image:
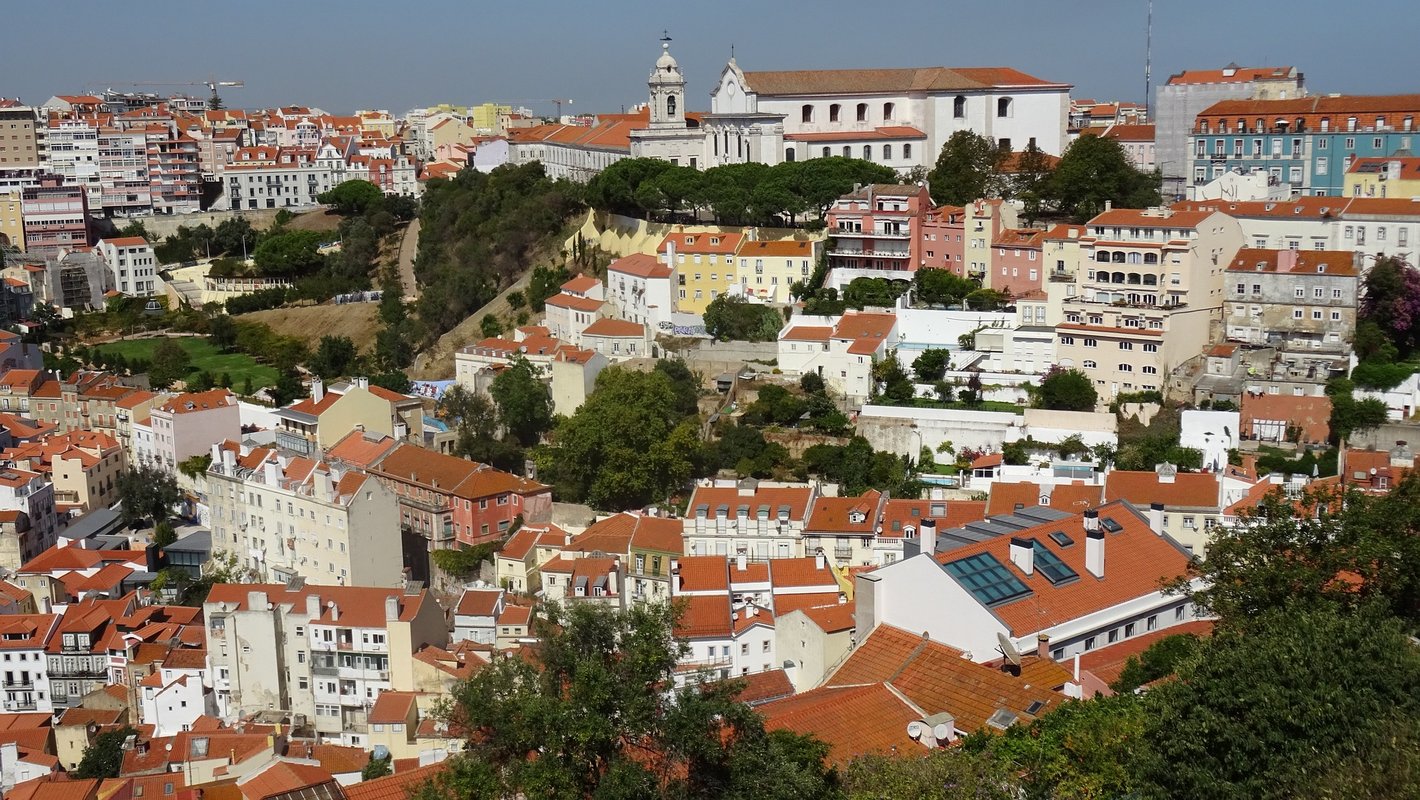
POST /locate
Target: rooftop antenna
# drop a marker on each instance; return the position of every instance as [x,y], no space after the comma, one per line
[1148,63]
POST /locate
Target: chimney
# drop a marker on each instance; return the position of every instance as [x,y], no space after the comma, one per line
[1091,521]
[271,473]
[1286,260]
[927,536]
[1023,555]
[256,601]
[313,606]
[363,383]
[613,578]
[741,562]
[1042,646]
[317,390]
[670,253]
[1094,552]
[229,461]
[217,453]
[1109,205]
[334,611]
[1156,518]
[820,561]
[391,608]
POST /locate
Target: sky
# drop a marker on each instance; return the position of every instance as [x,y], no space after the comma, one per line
[396,56]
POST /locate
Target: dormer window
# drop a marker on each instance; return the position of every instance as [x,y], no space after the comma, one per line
[856,517]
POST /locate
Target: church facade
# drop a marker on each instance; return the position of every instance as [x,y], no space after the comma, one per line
[899,118]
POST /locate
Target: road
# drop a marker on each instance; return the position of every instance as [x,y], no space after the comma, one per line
[408,247]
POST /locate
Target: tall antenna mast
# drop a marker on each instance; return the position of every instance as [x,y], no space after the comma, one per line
[1148,63]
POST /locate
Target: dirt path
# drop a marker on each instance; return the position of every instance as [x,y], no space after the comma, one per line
[437,362]
[408,247]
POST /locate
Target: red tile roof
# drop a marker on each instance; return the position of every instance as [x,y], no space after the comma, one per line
[640,265]
[397,786]
[761,687]
[393,707]
[703,243]
[1106,663]
[606,326]
[1311,262]
[1187,490]
[890,133]
[282,777]
[851,720]
[1229,75]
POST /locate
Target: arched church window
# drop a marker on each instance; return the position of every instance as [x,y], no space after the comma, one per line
[670,106]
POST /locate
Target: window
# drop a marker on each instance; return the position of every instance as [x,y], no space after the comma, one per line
[1321,163]
[833,111]
[1128,630]
[1149,370]
[1296,313]
[1178,614]
[1152,623]
[862,112]
[1067,340]
[1090,364]
[1350,143]
[907,151]
[887,152]
[1003,107]
[1126,345]
[867,152]
[959,107]
[1091,343]
[806,114]
[1126,367]
[1113,636]
[1089,644]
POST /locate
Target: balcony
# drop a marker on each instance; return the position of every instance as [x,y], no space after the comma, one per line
[438,506]
[870,254]
[27,704]
[1062,276]
[27,683]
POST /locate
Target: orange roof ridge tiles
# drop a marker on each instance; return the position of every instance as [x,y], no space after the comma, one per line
[1329,262]
[606,326]
[641,265]
[911,79]
[1230,74]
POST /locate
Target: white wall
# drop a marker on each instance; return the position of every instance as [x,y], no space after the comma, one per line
[904,431]
[918,596]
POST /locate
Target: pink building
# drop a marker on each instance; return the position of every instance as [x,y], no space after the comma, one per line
[942,246]
[189,424]
[1017,267]
[877,231]
[56,216]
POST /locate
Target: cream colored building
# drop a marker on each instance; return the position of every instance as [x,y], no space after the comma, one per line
[983,221]
[1150,294]
[12,223]
[84,467]
[317,422]
[286,518]
[325,652]
[484,117]
[814,640]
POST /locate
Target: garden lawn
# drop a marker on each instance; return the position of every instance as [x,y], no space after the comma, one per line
[204,357]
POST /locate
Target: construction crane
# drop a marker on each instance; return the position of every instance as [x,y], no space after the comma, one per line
[210,83]
[558,101]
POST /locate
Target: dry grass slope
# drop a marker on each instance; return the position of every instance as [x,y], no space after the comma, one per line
[359,321]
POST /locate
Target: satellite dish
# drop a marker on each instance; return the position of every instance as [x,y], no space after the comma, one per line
[943,732]
[915,729]
[1013,656]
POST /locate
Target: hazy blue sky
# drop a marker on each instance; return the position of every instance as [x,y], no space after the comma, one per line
[347,55]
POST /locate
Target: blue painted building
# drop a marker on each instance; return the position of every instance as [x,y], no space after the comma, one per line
[1306,144]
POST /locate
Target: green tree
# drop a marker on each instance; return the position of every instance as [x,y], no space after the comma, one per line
[965,169]
[1349,415]
[931,365]
[247,388]
[377,767]
[1095,169]
[1275,707]
[1066,390]
[147,492]
[966,772]
[627,446]
[490,326]
[1030,182]
[170,362]
[352,197]
[941,287]
[201,382]
[524,405]
[195,466]
[222,332]
[733,318]
[394,380]
[103,758]
[475,422]
[1159,660]
[164,534]
[334,356]
[685,382]
[289,253]
[893,385]
[1080,749]
[589,716]
[811,382]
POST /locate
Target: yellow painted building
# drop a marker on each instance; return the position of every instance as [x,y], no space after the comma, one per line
[704,266]
[12,225]
[484,118]
[1384,177]
[766,269]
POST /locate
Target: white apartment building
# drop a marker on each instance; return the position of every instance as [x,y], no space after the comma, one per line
[841,350]
[132,264]
[760,519]
[1150,291]
[172,698]
[638,289]
[271,177]
[291,518]
[71,148]
[325,652]
[571,310]
[31,494]
[22,642]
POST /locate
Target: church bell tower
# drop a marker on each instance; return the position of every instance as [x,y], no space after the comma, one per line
[667,86]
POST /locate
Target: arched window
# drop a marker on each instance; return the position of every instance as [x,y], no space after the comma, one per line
[1116,277]
[888,110]
[1118,257]
[806,114]
[1151,258]
[1102,256]
[1003,107]
[847,151]
[1090,365]
[788,154]
[827,152]
[1134,279]
[670,106]
[867,152]
[833,112]
[1135,258]
[862,112]
[959,107]
[907,151]
[887,152]
[1151,280]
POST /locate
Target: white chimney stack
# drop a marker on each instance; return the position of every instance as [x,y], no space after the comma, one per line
[927,536]
[741,562]
[1023,555]
[1156,518]
[820,561]
[1091,521]
[317,390]
[1094,552]
[391,608]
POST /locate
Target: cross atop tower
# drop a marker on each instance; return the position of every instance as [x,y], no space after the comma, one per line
[666,36]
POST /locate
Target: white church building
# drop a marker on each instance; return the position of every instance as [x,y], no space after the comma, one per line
[899,118]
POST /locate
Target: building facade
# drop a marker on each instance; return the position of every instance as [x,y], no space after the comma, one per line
[1294,300]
